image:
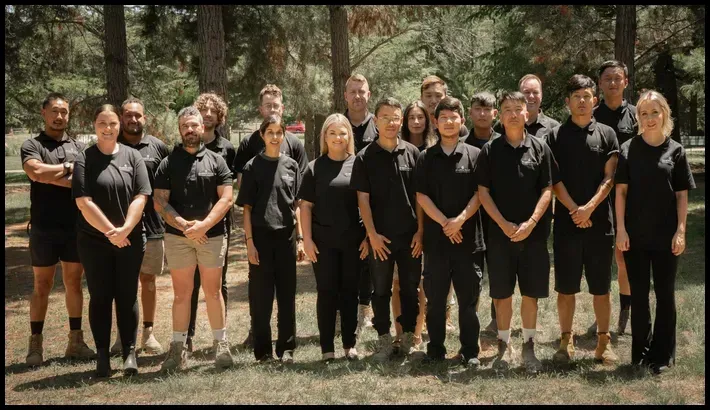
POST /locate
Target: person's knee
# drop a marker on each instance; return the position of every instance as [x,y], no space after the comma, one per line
[147,282]
[43,286]
[183,293]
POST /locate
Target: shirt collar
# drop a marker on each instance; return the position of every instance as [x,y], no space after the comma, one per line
[401,146]
[364,123]
[527,141]
[45,137]
[437,149]
[143,140]
[200,151]
[589,128]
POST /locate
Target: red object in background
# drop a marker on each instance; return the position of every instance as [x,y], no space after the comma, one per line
[297,126]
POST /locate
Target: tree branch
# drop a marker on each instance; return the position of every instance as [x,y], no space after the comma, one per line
[361,59]
[648,50]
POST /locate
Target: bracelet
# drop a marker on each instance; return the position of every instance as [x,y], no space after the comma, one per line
[534,220]
[248,238]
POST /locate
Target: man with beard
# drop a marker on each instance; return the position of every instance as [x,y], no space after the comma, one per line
[48,161]
[193,193]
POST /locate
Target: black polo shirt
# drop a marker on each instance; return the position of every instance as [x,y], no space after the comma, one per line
[653,175]
[192,181]
[270,187]
[335,215]
[254,144]
[364,133]
[542,125]
[516,178]
[223,147]
[448,180]
[112,181]
[622,120]
[389,179]
[51,207]
[580,155]
[152,151]
[472,139]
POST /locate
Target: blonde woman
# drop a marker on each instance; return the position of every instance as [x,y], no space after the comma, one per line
[652,182]
[332,235]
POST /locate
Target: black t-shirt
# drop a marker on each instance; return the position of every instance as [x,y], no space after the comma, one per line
[254,144]
[622,120]
[364,133]
[152,151]
[192,181]
[653,175]
[471,139]
[516,178]
[51,207]
[580,155]
[112,181]
[389,179]
[335,217]
[223,147]
[270,187]
[542,125]
[448,180]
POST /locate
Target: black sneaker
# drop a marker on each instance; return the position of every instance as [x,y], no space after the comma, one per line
[188,343]
[249,341]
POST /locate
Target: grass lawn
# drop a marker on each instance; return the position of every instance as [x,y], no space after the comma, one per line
[13,163]
[309,381]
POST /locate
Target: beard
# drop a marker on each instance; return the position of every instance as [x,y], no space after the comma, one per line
[191,140]
[134,129]
[58,127]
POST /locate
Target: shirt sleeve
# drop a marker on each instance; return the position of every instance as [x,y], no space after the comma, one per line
[420,174]
[80,146]
[481,169]
[163,149]
[141,182]
[549,139]
[307,191]
[30,150]
[611,142]
[79,187]
[547,163]
[359,180]
[682,175]
[621,176]
[242,155]
[297,184]
[162,177]
[231,154]
[248,190]
[299,153]
[224,174]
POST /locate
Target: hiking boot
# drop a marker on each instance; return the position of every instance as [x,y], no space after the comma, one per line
[407,346]
[530,362]
[188,345]
[150,345]
[249,341]
[566,351]
[603,352]
[328,357]
[623,320]
[397,344]
[222,356]
[103,363]
[77,348]
[507,356]
[364,318]
[450,327]
[287,357]
[337,323]
[384,348]
[130,366]
[117,346]
[492,327]
[351,354]
[176,359]
[592,329]
[35,351]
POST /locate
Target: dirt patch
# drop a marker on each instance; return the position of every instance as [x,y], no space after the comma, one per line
[15,189]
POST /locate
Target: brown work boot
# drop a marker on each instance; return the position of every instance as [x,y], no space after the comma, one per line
[77,348]
[566,351]
[603,352]
[35,351]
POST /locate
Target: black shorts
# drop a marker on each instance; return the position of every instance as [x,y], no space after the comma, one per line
[49,247]
[589,250]
[527,261]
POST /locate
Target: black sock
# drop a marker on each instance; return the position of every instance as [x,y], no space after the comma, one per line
[36,327]
[147,324]
[625,301]
[75,323]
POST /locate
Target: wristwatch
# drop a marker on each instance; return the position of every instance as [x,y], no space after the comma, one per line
[67,168]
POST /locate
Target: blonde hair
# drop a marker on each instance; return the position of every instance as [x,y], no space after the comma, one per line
[527,77]
[335,119]
[653,95]
[358,78]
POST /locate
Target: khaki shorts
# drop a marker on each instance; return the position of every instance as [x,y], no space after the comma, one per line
[182,252]
[154,257]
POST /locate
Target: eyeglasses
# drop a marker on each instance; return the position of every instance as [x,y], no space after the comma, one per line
[388,119]
[271,106]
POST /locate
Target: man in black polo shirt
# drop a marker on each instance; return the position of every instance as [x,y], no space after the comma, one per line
[383,175]
[483,111]
[515,187]
[453,236]
[617,113]
[357,94]
[193,192]
[214,116]
[538,124]
[586,153]
[48,162]
[270,103]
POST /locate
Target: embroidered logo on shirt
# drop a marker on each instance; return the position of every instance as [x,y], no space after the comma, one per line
[288,178]
[405,168]
[667,161]
[347,174]
[528,162]
[125,168]
[596,148]
[463,170]
[206,173]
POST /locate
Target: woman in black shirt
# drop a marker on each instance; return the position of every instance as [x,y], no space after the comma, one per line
[652,182]
[333,237]
[274,242]
[110,185]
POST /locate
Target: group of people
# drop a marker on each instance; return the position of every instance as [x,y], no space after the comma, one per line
[403,196]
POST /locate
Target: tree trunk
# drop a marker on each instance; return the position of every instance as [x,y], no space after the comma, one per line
[311,137]
[625,45]
[319,119]
[340,54]
[116,54]
[210,40]
[666,84]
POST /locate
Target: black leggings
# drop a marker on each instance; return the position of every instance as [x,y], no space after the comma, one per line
[365,289]
[656,345]
[337,272]
[112,273]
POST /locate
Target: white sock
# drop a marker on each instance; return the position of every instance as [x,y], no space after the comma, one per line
[180,337]
[528,334]
[504,335]
[220,334]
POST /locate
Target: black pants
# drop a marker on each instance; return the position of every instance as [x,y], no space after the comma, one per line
[197,284]
[465,270]
[484,262]
[365,289]
[112,273]
[409,270]
[276,271]
[657,345]
[336,281]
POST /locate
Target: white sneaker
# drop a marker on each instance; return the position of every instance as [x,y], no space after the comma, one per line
[149,344]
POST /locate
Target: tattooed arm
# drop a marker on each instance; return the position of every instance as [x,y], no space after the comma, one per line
[170,216]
